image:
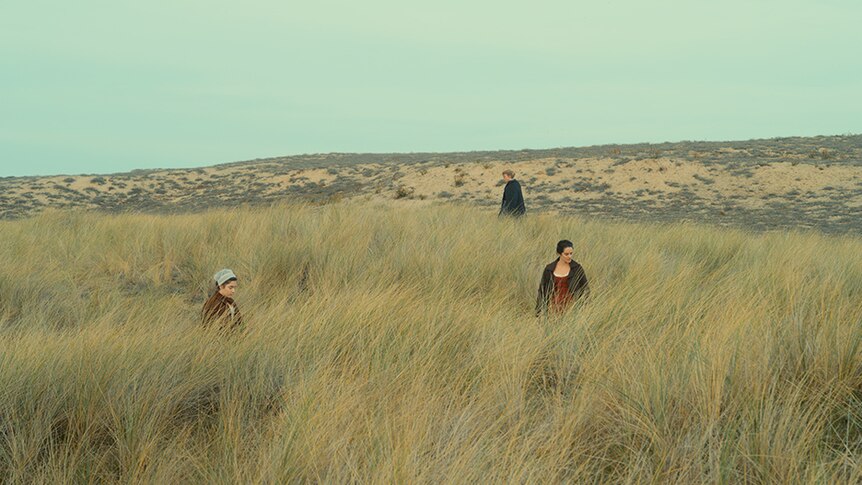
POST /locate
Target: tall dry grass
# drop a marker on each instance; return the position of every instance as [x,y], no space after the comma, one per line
[409,351]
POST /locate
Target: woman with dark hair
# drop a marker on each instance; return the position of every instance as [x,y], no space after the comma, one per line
[563,281]
[220,308]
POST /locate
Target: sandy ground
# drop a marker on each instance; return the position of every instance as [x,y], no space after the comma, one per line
[722,178]
[556,178]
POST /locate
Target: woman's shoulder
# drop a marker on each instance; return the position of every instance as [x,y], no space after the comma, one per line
[214,300]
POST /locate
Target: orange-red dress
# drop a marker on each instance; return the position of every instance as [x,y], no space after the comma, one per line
[562,298]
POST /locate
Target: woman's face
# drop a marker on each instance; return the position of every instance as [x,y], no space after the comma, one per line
[566,255]
[228,289]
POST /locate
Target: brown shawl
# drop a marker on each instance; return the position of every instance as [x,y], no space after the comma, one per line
[222,311]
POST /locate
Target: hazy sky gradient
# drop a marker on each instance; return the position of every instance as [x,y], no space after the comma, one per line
[107,86]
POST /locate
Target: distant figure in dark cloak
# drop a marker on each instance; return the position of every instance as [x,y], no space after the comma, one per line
[513,199]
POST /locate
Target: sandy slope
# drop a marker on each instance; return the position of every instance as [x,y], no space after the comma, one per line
[762,184]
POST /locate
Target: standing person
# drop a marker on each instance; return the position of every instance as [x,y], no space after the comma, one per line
[220,309]
[513,199]
[563,281]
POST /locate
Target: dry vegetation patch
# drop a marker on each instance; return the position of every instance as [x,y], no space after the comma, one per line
[397,343]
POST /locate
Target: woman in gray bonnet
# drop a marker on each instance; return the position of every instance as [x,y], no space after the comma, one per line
[220,309]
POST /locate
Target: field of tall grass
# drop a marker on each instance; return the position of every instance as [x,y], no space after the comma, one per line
[396,345]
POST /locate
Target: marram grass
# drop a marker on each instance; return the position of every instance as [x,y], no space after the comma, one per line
[394,345]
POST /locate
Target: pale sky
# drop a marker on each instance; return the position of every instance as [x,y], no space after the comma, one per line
[109,86]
